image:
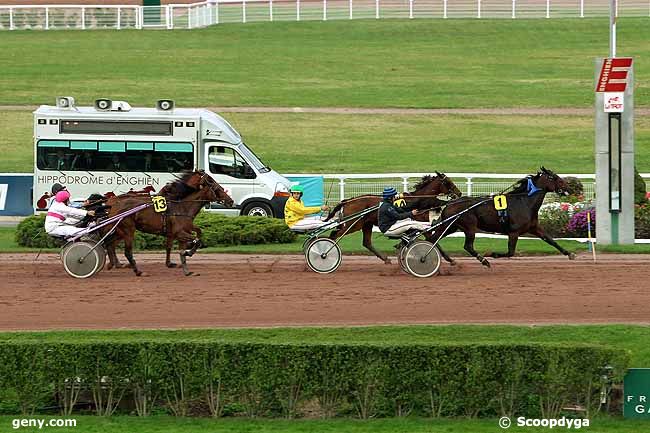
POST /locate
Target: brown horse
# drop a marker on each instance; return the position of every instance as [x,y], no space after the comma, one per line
[425,197]
[518,214]
[176,223]
[184,185]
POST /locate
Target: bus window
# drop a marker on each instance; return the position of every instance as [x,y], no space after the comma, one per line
[114,156]
[224,160]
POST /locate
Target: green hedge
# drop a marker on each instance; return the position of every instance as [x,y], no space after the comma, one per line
[293,380]
[218,230]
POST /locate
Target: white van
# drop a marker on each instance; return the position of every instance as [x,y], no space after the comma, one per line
[112,147]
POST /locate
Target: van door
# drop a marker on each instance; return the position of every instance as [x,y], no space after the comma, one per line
[231,171]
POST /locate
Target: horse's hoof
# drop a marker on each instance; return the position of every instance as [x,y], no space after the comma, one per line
[485,263]
[109,266]
[453,262]
[572,256]
[171,265]
[387,261]
[122,266]
[138,273]
[187,274]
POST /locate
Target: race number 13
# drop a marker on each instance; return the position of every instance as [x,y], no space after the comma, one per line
[159,203]
[500,202]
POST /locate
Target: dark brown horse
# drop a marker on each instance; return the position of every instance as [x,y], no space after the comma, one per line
[178,189]
[424,197]
[518,214]
[176,223]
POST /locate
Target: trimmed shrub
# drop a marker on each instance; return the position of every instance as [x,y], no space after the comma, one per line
[640,196]
[218,230]
[280,380]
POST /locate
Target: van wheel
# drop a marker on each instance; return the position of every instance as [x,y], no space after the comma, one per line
[258,209]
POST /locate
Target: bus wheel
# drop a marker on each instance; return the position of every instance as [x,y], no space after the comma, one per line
[257,209]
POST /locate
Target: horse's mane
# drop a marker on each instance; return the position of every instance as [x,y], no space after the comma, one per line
[425,180]
[522,185]
[178,189]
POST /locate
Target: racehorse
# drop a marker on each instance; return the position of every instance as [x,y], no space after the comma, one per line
[518,214]
[176,223]
[184,185]
[425,197]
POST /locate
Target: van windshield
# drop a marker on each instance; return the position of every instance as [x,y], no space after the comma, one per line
[253,159]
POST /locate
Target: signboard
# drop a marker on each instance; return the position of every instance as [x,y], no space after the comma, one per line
[614,102]
[613,75]
[636,393]
[16,194]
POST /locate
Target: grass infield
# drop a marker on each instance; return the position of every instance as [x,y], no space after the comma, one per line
[366,63]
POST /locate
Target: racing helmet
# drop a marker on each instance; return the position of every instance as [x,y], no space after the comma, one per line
[62,196]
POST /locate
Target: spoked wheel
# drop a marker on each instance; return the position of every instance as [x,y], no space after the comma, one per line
[421,259]
[323,255]
[80,260]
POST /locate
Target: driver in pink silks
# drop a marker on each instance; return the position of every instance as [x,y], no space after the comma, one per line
[61,218]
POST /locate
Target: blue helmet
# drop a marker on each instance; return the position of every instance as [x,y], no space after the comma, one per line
[389,192]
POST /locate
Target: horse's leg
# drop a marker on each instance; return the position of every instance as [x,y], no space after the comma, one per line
[539,232]
[367,242]
[469,247]
[512,246]
[128,251]
[185,239]
[199,235]
[168,250]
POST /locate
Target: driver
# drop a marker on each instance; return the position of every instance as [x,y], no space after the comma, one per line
[295,211]
[394,221]
[61,218]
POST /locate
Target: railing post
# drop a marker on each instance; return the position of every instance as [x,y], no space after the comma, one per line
[197,17]
[47,18]
[444,9]
[350,7]
[582,8]
[324,10]
[341,189]
[216,12]
[411,9]
[469,187]
[377,9]
[11,18]
[478,9]
[83,18]
[119,18]
[270,10]
[548,8]
[243,11]
[514,5]
[405,183]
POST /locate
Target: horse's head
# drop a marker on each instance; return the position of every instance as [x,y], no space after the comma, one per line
[436,185]
[550,182]
[213,191]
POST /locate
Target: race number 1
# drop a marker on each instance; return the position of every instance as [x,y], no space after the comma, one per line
[159,203]
[500,202]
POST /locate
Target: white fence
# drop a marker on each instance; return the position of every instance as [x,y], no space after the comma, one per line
[212,12]
[340,186]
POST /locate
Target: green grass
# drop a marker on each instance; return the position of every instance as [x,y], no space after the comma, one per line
[633,338]
[166,424]
[330,143]
[370,63]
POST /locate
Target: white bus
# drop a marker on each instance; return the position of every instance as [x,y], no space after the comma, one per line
[112,147]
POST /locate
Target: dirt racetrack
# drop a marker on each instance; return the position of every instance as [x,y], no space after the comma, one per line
[239,291]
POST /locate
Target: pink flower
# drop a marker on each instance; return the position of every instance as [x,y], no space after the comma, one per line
[565,206]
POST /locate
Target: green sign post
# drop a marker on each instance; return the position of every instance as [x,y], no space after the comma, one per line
[636,393]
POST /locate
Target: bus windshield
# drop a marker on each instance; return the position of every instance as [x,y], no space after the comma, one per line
[253,159]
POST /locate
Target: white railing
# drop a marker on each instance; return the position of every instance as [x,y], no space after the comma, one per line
[340,186]
[188,16]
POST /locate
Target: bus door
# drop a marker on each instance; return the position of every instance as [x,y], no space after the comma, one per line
[231,171]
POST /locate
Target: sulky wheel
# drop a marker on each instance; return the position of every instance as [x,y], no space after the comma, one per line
[80,260]
[101,251]
[401,251]
[422,259]
[323,255]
